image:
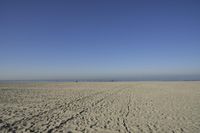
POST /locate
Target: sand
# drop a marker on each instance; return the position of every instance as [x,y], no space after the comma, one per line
[118,107]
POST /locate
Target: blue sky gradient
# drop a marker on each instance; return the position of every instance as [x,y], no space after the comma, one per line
[100,39]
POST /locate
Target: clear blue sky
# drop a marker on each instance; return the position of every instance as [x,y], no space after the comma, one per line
[99,39]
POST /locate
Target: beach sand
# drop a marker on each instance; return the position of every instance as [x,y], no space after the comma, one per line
[104,107]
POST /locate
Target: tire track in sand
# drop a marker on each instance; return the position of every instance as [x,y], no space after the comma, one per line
[12,126]
[81,113]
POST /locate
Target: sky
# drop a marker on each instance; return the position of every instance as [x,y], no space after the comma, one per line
[99,40]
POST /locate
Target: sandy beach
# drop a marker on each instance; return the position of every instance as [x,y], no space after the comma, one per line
[104,107]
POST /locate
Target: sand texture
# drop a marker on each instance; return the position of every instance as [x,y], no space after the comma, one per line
[118,107]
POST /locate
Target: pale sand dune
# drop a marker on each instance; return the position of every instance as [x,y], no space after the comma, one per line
[125,107]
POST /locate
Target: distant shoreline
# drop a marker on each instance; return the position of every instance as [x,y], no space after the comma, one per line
[32,81]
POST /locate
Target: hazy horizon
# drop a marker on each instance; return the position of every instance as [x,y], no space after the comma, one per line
[100,40]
